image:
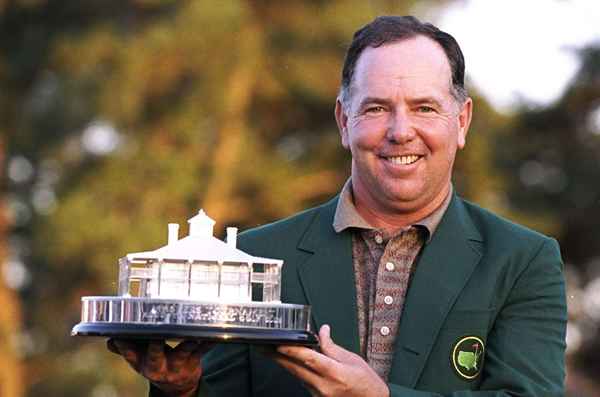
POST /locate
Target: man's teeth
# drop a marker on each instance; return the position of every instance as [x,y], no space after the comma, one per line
[403,159]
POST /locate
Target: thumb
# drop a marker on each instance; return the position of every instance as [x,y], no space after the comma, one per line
[330,349]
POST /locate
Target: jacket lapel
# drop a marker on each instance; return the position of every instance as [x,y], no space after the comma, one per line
[327,277]
[445,266]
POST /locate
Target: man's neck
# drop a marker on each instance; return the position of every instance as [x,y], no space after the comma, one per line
[392,219]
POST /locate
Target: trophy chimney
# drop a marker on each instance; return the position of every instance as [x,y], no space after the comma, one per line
[232,236]
[173,233]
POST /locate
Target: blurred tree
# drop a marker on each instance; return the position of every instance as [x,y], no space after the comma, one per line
[11,377]
[475,175]
[552,155]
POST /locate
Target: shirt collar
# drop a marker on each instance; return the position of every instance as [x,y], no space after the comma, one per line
[347,216]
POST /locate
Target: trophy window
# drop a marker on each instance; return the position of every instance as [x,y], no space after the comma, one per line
[174,281]
[266,282]
[204,281]
[137,278]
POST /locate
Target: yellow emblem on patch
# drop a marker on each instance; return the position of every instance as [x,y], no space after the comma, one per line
[467,357]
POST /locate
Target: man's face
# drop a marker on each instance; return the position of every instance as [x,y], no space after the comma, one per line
[402,126]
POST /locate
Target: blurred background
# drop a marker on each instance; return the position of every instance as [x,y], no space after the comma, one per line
[118,116]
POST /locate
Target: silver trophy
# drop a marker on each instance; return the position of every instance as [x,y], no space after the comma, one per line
[197,287]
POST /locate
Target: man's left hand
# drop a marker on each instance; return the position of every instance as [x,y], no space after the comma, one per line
[333,372]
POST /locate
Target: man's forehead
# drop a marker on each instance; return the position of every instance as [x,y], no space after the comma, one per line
[407,55]
[417,63]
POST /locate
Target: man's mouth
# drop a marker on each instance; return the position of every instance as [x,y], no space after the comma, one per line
[403,160]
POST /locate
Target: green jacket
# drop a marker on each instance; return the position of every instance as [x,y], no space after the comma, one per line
[480,276]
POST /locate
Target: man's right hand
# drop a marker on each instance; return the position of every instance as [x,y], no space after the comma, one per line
[175,371]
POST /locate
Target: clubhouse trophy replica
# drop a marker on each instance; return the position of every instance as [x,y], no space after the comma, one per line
[197,287]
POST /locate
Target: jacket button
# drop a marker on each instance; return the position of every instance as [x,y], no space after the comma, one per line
[390,266]
[385,331]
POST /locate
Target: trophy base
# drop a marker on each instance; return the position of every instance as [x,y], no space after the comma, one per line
[206,333]
[148,318]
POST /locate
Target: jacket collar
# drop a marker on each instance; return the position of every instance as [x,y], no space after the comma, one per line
[327,277]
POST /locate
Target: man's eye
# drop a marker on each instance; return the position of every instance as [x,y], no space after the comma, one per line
[425,109]
[375,109]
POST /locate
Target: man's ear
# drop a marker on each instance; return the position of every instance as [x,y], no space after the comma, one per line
[341,119]
[464,121]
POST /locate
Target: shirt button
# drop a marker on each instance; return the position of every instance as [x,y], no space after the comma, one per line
[388,300]
[385,331]
[390,266]
[378,239]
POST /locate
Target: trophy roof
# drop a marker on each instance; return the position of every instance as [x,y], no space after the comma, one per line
[196,248]
[201,245]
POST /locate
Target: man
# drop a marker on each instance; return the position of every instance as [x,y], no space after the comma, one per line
[415,292]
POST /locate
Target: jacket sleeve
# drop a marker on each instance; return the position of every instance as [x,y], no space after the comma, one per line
[526,345]
[226,372]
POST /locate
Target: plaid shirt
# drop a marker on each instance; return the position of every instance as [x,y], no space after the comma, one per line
[383,265]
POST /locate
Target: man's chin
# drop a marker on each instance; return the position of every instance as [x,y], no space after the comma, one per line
[403,201]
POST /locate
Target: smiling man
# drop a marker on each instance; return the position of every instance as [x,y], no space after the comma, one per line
[403,126]
[415,292]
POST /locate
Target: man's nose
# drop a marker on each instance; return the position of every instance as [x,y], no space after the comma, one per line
[400,128]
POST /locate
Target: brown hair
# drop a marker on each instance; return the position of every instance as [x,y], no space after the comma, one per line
[390,29]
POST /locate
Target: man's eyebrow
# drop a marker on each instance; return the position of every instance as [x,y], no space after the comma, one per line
[417,100]
[373,100]
[425,99]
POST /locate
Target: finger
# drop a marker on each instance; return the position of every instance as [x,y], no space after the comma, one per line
[180,355]
[110,345]
[312,381]
[155,360]
[129,351]
[313,392]
[330,349]
[121,345]
[316,361]
[185,348]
